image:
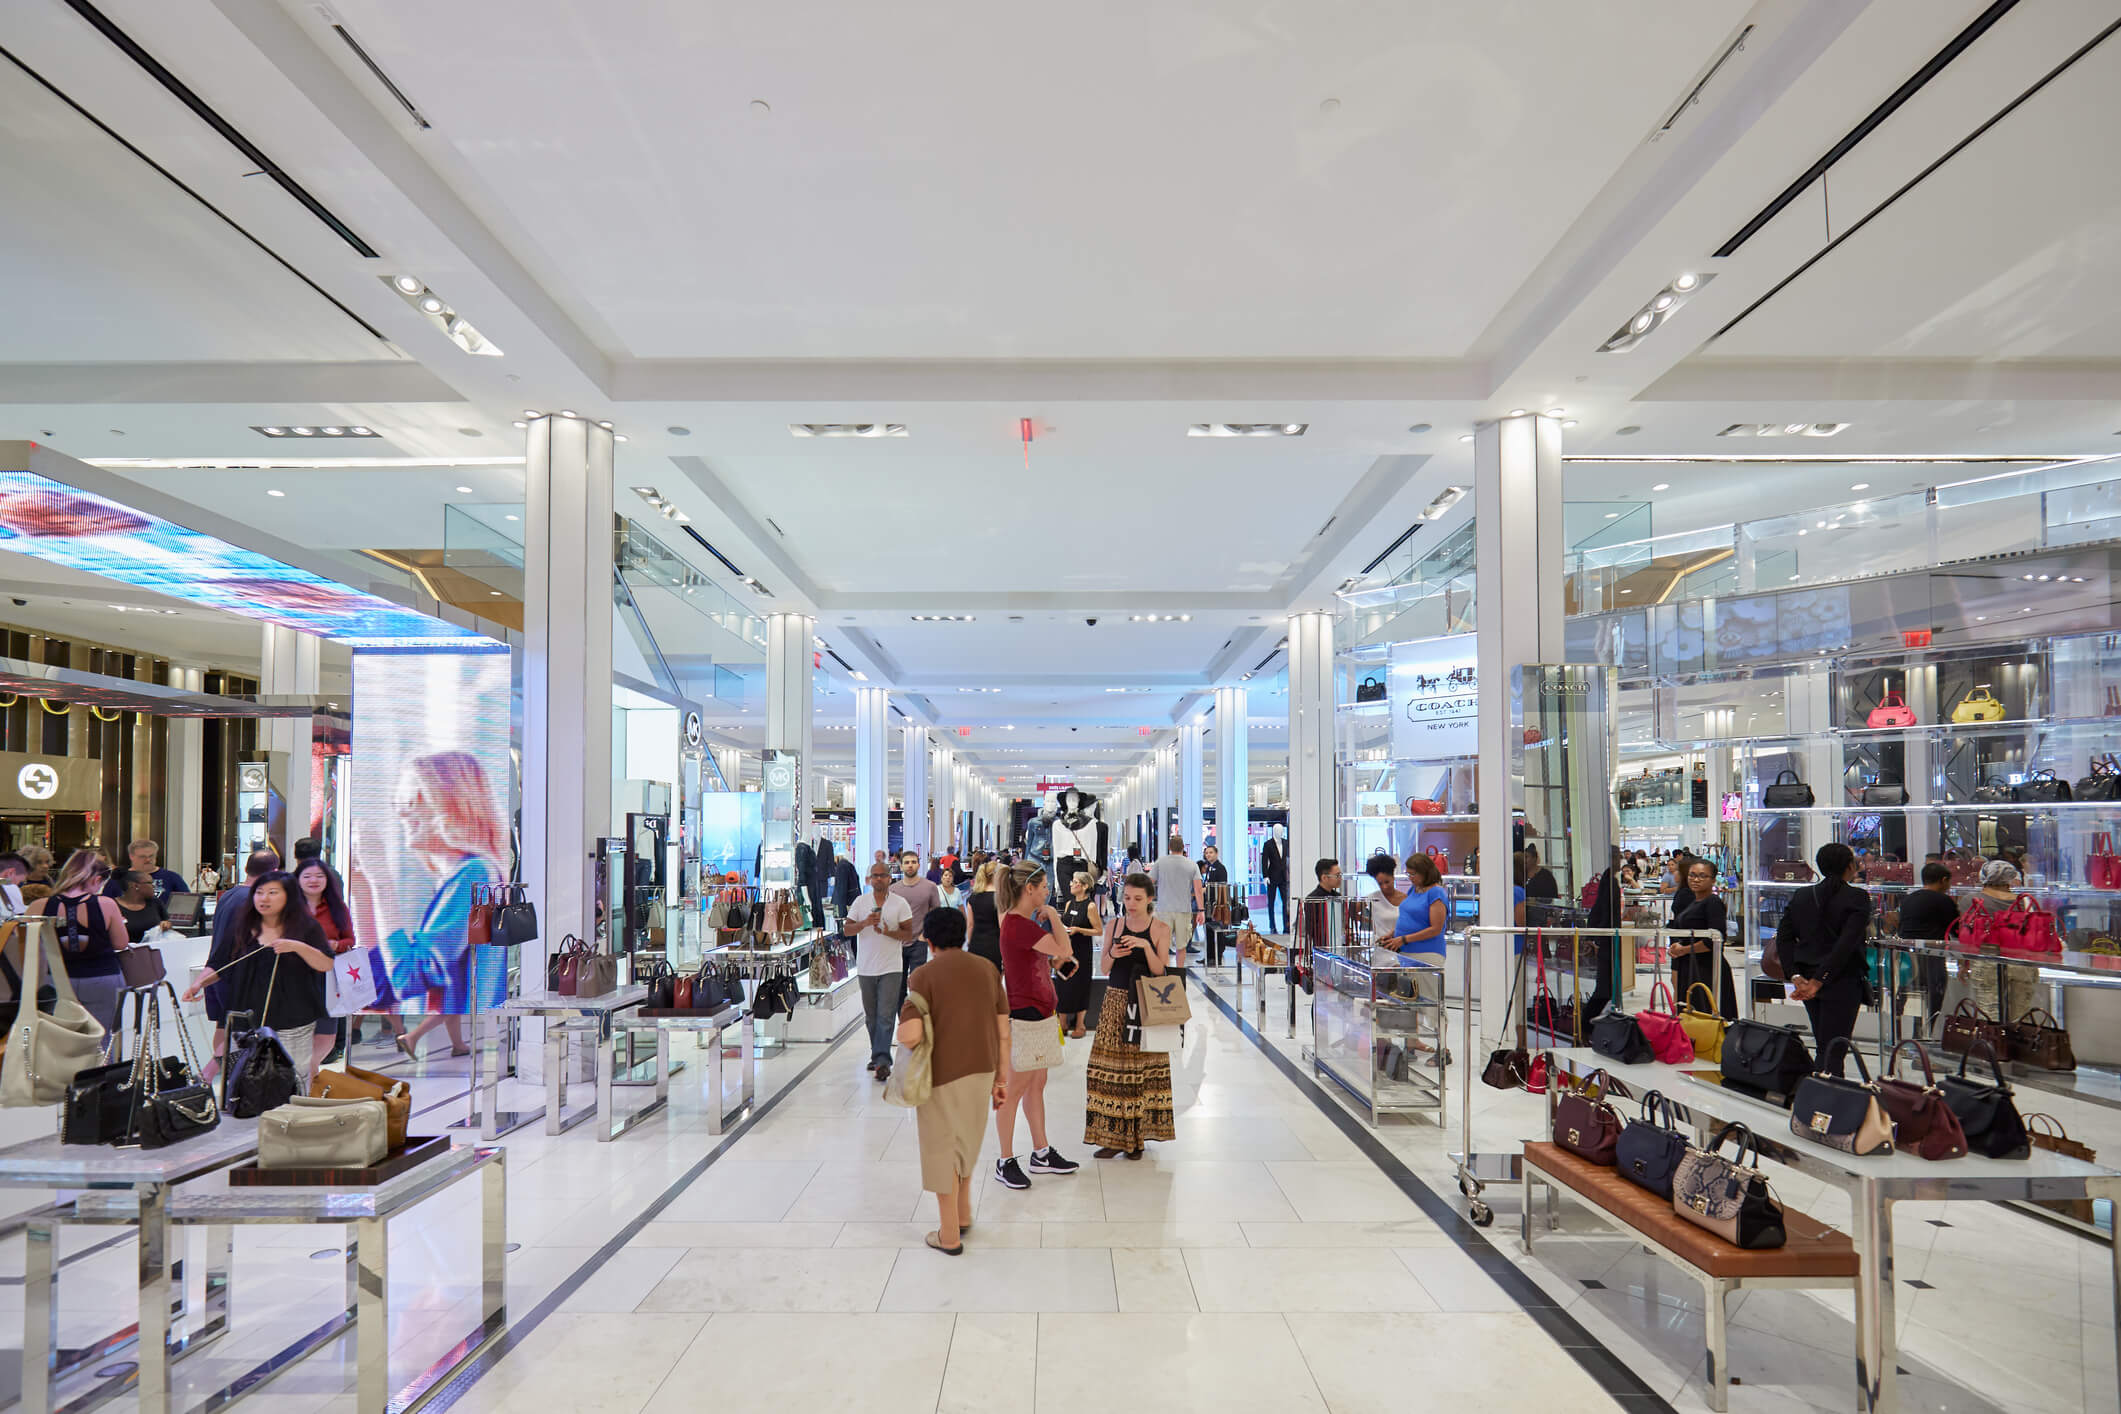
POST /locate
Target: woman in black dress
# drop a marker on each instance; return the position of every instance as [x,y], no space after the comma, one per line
[983,924]
[1695,960]
[1079,915]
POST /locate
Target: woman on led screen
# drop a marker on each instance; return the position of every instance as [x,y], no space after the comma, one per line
[452,832]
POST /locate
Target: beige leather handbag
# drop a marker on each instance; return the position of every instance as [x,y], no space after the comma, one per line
[311,1132]
[44,1050]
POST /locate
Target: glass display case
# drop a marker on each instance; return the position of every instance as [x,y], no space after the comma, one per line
[1377,1029]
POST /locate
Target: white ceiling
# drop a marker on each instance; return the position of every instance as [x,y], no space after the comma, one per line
[1113,221]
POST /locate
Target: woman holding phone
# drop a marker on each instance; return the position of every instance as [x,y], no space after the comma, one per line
[1034,947]
[1129,1100]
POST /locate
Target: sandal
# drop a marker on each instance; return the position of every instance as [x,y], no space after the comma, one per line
[934,1240]
[407,1047]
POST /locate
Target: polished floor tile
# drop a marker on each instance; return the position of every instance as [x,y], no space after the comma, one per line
[1217,1191]
[820,1364]
[1153,1279]
[1231,1364]
[993,1365]
[1373,1363]
[1295,1279]
[996,1280]
[777,1280]
[594,1364]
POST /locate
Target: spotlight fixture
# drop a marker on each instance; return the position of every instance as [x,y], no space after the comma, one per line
[1248,429]
[1660,307]
[1662,486]
[266,431]
[1782,429]
[276,492]
[847,429]
[463,490]
[1861,486]
[942,618]
[1445,499]
[1466,438]
[1160,618]
[436,311]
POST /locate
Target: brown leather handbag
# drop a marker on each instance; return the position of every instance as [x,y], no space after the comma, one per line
[1584,1124]
[354,1083]
[1923,1125]
[2037,1039]
[1969,1026]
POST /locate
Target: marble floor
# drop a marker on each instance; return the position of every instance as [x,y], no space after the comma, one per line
[1271,1258]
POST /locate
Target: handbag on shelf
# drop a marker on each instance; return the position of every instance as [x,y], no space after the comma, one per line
[1892,711]
[1649,1150]
[596,974]
[661,982]
[2104,782]
[354,1083]
[1370,689]
[1891,871]
[1841,1113]
[1728,1197]
[1664,1030]
[1618,1037]
[166,1112]
[1584,1124]
[1162,1000]
[1991,792]
[308,1132]
[2102,867]
[1923,1124]
[1509,1067]
[1883,791]
[1987,1113]
[2025,927]
[1422,805]
[1790,871]
[46,1049]
[1543,1012]
[1979,705]
[1969,1026]
[2038,1040]
[261,1075]
[2040,788]
[1965,871]
[515,917]
[1704,1029]
[478,922]
[1764,1060]
[1786,792]
[2046,1132]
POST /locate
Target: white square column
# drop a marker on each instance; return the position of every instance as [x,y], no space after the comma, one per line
[568,535]
[872,801]
[289,665]
[184,814]
[791,661]
[1233,771]
[913,752]
[1520,559]
[1314,794]
[1191,822]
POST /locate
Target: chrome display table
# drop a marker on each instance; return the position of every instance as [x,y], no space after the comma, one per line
[1873,1185]
[714,1028]
[591,1017]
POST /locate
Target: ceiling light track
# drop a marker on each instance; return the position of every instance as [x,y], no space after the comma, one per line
[742,578]
[1924,175]
[174,180]
[152,67]
[1389,550]
[1959,44]
[374,68]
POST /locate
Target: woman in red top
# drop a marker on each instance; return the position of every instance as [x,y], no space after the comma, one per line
[1034,945]
[327,904]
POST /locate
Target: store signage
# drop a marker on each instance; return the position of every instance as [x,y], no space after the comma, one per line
[694,733]
[964,731]
[42,783]
[1915,638]
[1435,701]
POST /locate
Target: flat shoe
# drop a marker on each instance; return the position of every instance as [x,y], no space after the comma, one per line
[935,1240]
[1106,1154]
[1138,1153]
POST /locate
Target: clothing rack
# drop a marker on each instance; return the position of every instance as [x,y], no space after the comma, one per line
[1505,1167]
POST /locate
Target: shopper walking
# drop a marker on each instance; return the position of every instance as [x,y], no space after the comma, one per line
[1129,1089]
[968,1064]
[1178,897]
[1034,944]
[920,895]
[1820,943]
[1084,923]
[1701,960]
[983,921]
[325,901]
[881,924]
[91,934]
[285,991]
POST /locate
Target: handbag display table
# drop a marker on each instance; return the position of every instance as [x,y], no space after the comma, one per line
[1873,1184]
[212,1204]
[711,1029]
[590,1017]
[147,1177]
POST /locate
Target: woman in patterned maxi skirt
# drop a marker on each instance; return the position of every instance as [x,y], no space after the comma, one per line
[1129,1088]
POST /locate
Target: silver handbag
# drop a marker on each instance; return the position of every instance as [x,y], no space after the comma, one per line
[310,1131]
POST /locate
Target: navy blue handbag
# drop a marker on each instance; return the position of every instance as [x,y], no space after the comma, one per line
[1649,1150]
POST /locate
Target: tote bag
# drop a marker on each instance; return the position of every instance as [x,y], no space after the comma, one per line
[46,1049]
[350,986]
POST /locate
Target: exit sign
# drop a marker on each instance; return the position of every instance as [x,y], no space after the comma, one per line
[1145,731]
[964,731]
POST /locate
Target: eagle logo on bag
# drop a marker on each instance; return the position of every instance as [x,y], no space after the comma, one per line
[1163,993]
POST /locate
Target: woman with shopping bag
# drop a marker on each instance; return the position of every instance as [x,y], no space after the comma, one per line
[1129,1083]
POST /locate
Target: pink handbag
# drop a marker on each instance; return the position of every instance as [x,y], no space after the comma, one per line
[2102,867]
[1892,711]
[2025,927]
[1662,1030]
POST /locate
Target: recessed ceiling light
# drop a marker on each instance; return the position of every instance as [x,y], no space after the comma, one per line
[1419,428]
[305,431]
[1517,412]
[511,517]
[1612,515]
[1247,429]
[275,492]
[1466,438]
[463,490]
[364,432]
[532,412]
[847,429]
[1686,282]
[268,431]
[568,412]
[275,431]
[1662,486]
[1627,591]
[432,304]
[605,425]
[521,423]
[407,284]
[495,593]
[333,431]
[618,436]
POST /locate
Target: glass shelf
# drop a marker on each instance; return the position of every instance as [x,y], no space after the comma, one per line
[2020,807]
[1418,819]
[2041,890]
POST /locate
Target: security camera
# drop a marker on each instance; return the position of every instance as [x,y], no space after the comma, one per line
[1074,729]
[1091,622]
[22,603]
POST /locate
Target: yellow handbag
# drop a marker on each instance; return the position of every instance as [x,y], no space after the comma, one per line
[1704,1028]
[1980,705]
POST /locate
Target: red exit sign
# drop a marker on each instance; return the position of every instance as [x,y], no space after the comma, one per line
[1145,731]
[964,731]
[1915,637]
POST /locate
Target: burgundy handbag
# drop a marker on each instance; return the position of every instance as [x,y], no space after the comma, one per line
[1969,1026]
[1923,1125]
[478,927]
[1584,1124]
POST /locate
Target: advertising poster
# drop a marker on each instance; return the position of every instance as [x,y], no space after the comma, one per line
[732,824]
[1435,707]
[429,813]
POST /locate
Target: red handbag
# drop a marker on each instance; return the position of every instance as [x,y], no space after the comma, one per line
[1923,1124]
[2102,867]
[1662,1029]
[1892,711]
[1421,805]
[478,926]
[2025,927]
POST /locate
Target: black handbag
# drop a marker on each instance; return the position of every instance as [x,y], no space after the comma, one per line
[2040,788]
[515,917]
[1786,792]
[1839,1113]
[1987,1113]
[261,1075]
[2104,783]
[166,1112]
[1763,1060]
[1617,1036]
[1991,792]
[1649,1150]
[661,982]
[1370,689]
[1883,791]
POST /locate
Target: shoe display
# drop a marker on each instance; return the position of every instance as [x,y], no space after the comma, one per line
[1008,1175]
[1049,1160]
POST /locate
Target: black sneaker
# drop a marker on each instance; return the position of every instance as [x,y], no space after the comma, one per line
[1049,1160]
[1008,1175]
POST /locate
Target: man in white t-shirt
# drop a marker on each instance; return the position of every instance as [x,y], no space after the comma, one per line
[881,924]
[1178,897]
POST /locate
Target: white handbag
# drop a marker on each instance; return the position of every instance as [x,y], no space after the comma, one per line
[45,1050]
[310,1131]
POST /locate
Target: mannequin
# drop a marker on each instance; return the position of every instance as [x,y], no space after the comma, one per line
[1274,869]
[1078,834]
